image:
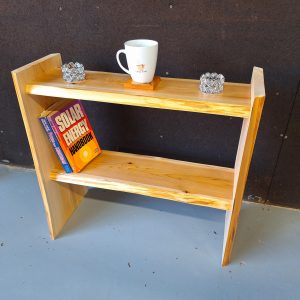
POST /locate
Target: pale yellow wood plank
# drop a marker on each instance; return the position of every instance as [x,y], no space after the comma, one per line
[156,177]
[59,199]
[171,93]
[243,159]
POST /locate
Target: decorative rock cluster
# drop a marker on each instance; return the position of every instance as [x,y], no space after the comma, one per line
[212,83]
[73,72]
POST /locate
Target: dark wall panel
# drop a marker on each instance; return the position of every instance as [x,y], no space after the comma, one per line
[194,37]
[285,185]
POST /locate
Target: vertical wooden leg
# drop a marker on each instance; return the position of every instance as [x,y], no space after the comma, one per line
[243,159]
[60,199]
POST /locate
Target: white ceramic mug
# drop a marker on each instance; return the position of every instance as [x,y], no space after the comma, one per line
[141,58]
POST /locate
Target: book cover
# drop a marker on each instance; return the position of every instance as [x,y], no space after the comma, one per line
[53,140]
[74,134]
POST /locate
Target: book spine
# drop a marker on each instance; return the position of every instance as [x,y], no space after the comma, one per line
[63,147]
[53,140]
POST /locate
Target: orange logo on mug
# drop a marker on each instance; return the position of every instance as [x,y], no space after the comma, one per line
[140,68]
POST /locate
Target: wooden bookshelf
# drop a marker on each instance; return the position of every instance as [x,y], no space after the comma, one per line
[39,84]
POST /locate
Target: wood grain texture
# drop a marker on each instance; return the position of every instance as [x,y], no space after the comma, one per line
[171,93]
[181,181]
[156,177]
[60,199]
[243,159]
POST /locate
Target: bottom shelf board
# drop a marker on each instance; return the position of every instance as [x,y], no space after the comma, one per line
[158,177]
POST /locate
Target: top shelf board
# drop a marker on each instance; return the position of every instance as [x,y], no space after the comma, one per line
[171,93]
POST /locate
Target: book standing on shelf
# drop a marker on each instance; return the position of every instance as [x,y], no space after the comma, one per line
[75,143]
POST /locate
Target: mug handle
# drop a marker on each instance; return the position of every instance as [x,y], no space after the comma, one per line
[118,60]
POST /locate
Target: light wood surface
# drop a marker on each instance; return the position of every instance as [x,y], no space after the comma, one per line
[156,177]
[171,93]
[243,159]
[40,84]
[60,199]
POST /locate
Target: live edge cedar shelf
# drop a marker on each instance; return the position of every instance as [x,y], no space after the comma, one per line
[39,84]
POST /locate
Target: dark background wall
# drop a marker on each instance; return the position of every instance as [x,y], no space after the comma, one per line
[229,37]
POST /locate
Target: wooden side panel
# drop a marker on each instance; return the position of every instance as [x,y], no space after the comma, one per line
[60,199]
[243,159]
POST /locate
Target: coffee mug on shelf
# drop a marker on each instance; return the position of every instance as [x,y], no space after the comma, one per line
[141,58]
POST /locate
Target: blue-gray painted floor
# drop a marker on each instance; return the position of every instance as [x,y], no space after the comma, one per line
[121,246]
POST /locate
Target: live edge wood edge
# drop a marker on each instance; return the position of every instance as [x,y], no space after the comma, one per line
[157,177]
[171,93]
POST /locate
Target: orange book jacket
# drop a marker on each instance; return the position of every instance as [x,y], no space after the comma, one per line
[74,134]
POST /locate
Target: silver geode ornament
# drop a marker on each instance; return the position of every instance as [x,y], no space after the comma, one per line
[212,83]
[73,72]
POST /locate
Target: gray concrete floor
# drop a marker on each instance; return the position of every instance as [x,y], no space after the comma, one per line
[123,246]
